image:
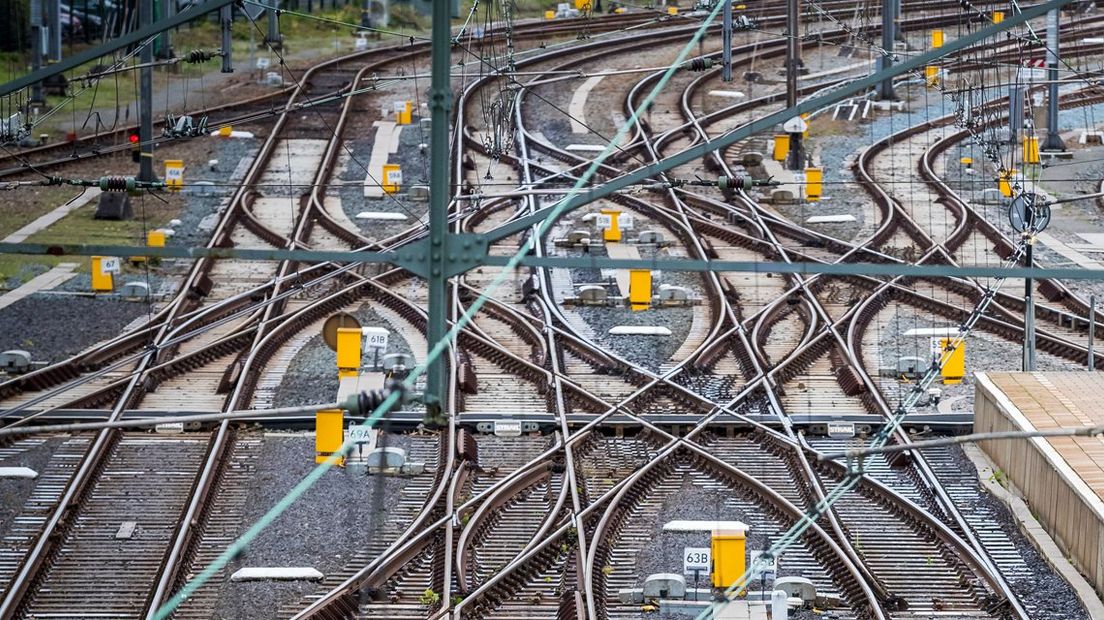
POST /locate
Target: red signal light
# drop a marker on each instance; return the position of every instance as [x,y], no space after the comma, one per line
[133,138]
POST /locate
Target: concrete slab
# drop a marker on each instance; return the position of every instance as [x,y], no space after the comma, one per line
[639,330]
[622,251]
[43,282]
[687,525]
[277,573]
[381,215]
[830,219]
[126,530]
[728,94]
[18,472]
[577,107]
[933,332]
[47,220]
[585,148]
[386,133]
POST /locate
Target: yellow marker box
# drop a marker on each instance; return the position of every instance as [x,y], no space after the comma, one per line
[640,288]
[937,38]
[102,281]
[582,5]
[672,10]
[404,116]
[781,147]
[814,184]
[155,239]
[612,232]
[966,161]
[931,75]
[174,173]
[1031,150]
[953,367]
[729,549]
[998,17]
[1004,182]
[225,131]
[550,15]
[348,351]
[391,178]
[329,434]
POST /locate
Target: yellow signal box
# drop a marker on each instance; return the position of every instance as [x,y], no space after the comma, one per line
[348,351]
[640,288]
[392,178]
[967,161]
[404,113]
[1031,150]
[937,38]
[998,17]
[952,362]
[550,15]
[102,281]
[329,435]
[781,147]
[225,132]
[612,232]
[814,184]
[174,173]
[931,75]
[155,239]
[672,10]
[1004,182]
[729,549]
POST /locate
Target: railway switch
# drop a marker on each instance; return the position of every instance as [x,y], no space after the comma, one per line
[329,434]
[729,549]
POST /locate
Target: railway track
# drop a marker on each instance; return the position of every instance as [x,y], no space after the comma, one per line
[501,528]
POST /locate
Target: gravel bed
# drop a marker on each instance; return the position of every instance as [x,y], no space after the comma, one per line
[342,511]
[14,492]
[52,327]
[312,375]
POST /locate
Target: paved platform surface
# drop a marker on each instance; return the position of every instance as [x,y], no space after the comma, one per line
[43,282]
[1062,400]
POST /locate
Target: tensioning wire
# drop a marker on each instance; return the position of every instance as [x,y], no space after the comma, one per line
[439,347]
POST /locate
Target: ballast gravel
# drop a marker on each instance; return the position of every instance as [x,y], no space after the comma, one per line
[52,327]
[340,513]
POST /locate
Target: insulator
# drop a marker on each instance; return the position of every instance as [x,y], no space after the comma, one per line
[196,56]
[700,64]
[724,183]
[366,402]
[118,184]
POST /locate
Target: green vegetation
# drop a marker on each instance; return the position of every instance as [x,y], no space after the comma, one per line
[429,597]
